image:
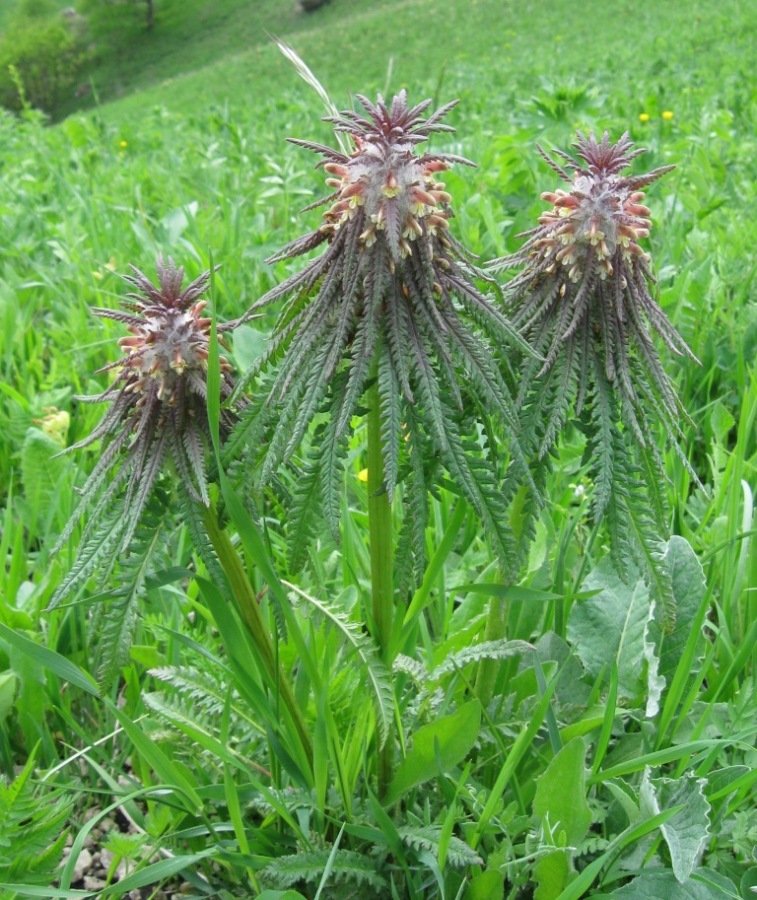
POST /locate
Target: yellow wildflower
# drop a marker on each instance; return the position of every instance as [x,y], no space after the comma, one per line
[667,115]
[123,145]
[643,117]
[362,475]
[55,424]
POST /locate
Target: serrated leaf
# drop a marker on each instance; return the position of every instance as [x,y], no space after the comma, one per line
[427,838]
[375,670]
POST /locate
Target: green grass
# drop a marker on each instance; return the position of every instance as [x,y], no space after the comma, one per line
[193,159]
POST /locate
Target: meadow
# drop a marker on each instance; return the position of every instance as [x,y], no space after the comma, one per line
[612,750]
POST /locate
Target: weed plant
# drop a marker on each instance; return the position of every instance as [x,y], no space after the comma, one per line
[240,708]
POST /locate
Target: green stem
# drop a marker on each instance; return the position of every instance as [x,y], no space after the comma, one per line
[496,626]
[380,530]
[256,626]
[382,552]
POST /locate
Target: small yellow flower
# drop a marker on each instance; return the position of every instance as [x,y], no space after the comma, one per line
[667,115]
[643,117]
[54,424]
[362,475]
[123,145]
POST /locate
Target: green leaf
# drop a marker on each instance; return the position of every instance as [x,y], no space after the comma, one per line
[164,768]
[41,471]
[703,885]
[613,626]
[281,895]
[749,881]
[156,872]
[249,345]
[688,588]
[7,693]
[377,674]
[687,832]
[437,747]
[551,874]
[485,886]
[46,893]
[560,798]
[564,815]
[51,660]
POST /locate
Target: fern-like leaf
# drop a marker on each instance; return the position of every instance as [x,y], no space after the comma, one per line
[303,512]
[427,838]
[308,868]
[114,621]
[375,671]
[32,830]
[501,649]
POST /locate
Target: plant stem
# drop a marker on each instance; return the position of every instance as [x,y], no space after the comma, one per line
[380,530]
[382,553]
[253,619]
[496,625]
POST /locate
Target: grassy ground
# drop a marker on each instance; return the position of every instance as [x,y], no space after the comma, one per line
[193,158]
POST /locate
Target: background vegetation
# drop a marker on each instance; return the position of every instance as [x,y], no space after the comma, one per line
[192,157]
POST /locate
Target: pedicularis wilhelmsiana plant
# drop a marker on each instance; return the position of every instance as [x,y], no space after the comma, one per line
[390,301]
[583,297]
[157,412]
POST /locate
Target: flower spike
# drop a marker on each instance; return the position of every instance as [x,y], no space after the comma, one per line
[584,297]
[157,404]
[392,297]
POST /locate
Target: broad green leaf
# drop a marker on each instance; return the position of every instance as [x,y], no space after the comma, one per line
[437,747]
[612,626]
[551,874]
[281,895]
[249,346]
[560,799]
[687,832]
[689,588]
[703,885]
[563,816]
[582,882]
[749,882]
[485,886]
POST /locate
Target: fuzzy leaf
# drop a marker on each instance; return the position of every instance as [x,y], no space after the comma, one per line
[611,626]
[687,832]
